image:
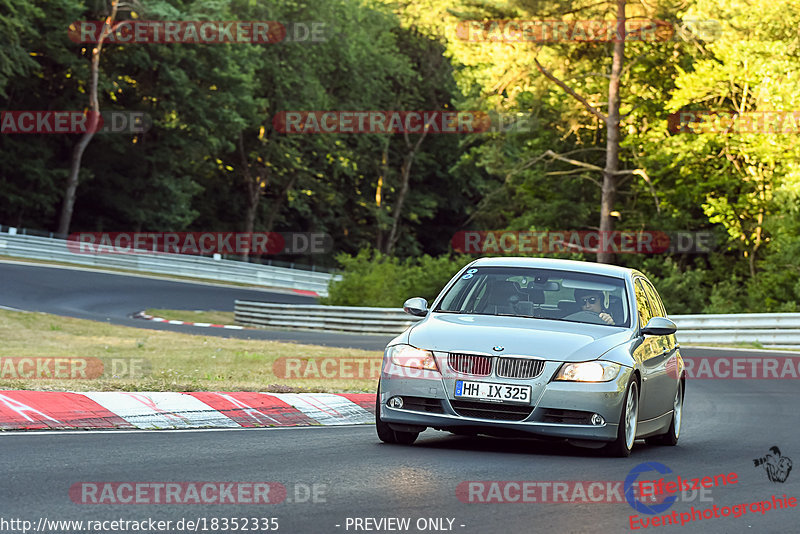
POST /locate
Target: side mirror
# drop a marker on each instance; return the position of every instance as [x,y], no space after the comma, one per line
[416,306]
[659,326]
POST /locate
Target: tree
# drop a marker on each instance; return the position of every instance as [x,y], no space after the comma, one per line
[503,71]
[94,118]
[18,18]
[749,70]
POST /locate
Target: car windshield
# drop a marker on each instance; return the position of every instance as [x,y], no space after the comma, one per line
[539,293]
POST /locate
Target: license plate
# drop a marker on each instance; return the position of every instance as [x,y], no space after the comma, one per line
[493,392]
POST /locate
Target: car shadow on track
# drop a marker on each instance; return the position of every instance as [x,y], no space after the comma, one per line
[435,440]
[489,444]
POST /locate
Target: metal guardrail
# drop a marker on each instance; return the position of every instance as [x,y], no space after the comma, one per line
[50,249]
[768,329]
[325,318]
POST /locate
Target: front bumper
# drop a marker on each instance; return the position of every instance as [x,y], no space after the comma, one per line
[434,405]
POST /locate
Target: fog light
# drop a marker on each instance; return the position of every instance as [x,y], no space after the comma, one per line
[598,420]
[396,402]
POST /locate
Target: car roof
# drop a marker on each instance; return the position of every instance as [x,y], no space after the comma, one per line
[560,265]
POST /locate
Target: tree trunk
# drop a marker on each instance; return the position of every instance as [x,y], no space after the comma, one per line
[77,153]
[253,191]
[405,178]
[379,195]
[609,192]
[278,205]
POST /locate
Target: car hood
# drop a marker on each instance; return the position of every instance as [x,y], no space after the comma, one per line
[519,336]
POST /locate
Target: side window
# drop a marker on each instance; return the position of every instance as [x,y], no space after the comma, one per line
[655,301]
[642,303]
[456,295]
[464,292]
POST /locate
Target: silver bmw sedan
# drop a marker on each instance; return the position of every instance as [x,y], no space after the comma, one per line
[530,346]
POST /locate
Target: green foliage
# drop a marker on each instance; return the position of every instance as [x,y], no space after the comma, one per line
[212,143]
[17,18]
[374,279]
[682,290]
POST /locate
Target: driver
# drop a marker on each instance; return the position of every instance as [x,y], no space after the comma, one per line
[592,301]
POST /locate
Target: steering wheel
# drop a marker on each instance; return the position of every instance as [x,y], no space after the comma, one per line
[585,316]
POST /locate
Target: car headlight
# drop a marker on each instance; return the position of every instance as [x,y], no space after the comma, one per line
[408,356]
[588,372]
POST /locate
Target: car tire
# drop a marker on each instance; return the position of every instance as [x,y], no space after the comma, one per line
[628,423]
[670,438]
[385,433]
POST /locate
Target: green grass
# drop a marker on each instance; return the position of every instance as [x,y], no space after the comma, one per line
[177,362]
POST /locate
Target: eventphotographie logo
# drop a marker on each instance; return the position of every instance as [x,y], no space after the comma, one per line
[668,492]
[777,466]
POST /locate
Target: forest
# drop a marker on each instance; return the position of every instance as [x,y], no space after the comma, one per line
[673,117]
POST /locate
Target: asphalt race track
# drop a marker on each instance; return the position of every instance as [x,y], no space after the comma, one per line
[114,298]
[727,424]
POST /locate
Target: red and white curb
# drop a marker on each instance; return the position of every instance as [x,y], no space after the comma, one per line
[306,292]
[38,410]
[142,315]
